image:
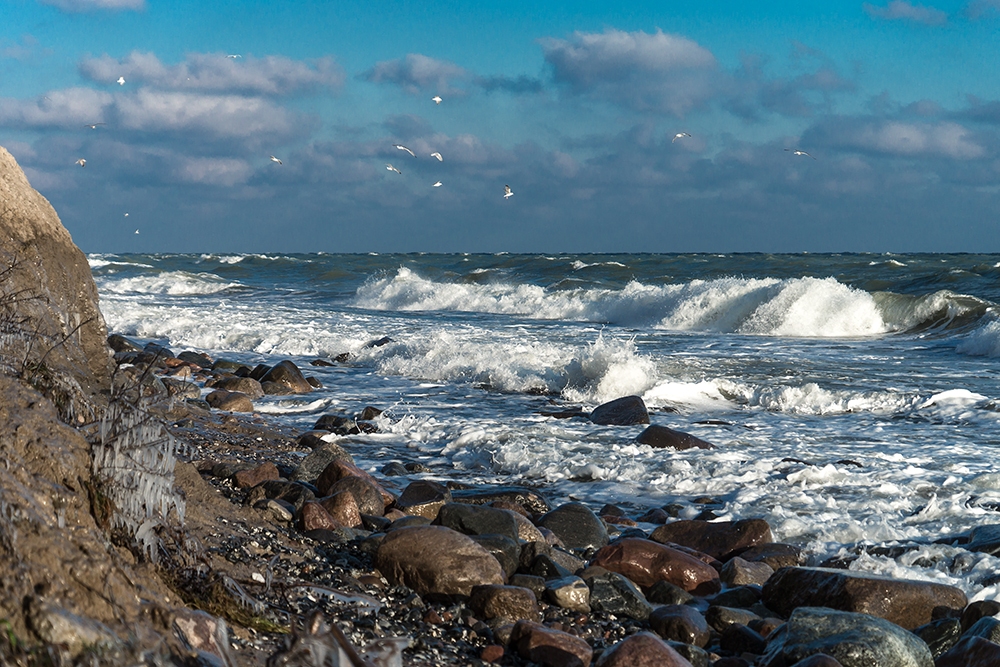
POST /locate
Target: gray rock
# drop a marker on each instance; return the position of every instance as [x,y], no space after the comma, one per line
[664,592]
[940,635]
[424,498]
[624,411]
[569,593]
[613,593]
[287,373]
[503,548]
[721,618]
[738,572]
[680,623]
[985,539]
[313,465]
[477,520]
[576,525]
[987,627]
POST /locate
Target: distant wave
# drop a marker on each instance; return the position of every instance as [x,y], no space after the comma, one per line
[170,282]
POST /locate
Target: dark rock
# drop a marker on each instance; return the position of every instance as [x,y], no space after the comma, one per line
[646,562]
[287,373]
[664,592]
[313,516]
[343,507]
[576,525]
[548,647]
[721,539]
[503,548]
[661,437]
[246,479]
[120,343]
[423,498]
[338,424]
[971,651]
[275,389]
[624,411]
[985,539]
[393,469]
[504,602]
[741,596]
[738,572]
[697,656]
[775,554]
[290,492]
[543,566]
[987,627]
[977,610]
[180,388]
[312,439]
[940,635]
[408,521]
[226,366]
[199,359]
[535,584]
[243,385]
[855,640]
[643,649]
[339,470]
[478,520]
[680,623]
[229,401]
[614,594]
[379,342]
[313,465]
[530,500]
[721,618]
[739,639]
[368,414]
[818,660]
[906,603]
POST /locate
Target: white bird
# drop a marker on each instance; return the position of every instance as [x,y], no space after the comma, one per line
[137,231]
[121,81]
[404,148]
[391,168]
[796,151]
[126,215]
[274,159]
[82,162]
[437,185]
[507,192]
[235,55]
[438,156]
[679,135]
[436,99]
[93,126]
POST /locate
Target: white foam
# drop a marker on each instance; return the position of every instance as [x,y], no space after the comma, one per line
[170,282]
[984,341]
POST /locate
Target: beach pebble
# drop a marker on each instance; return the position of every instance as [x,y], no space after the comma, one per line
[548,647]
[643,649]
[720,539]
[576,526]
[681,623]
[624,411]
[569,593]
[646,562]
[662,437]
[906,603]
[504,602]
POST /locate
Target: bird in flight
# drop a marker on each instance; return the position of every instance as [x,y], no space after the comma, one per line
[137,231]
[438,156]
[234,56]
[404,148]
[507,192]
[126,215]
[437,185]
[93,126]
[679,135]
[436,99]
[121,81]
[796,151]
[391,168]
[81,162]
[274,159]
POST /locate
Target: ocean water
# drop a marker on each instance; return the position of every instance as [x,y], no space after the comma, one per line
[852,398]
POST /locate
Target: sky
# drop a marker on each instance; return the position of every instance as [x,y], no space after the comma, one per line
[574,105]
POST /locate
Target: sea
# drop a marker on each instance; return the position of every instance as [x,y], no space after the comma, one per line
[853,399]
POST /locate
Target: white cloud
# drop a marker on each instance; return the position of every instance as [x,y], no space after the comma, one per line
[898,10]
[931,139]
[94,5]
[215,72]
[417,73]
[68,108]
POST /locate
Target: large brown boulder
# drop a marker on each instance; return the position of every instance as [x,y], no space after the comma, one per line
[551,648]
[645,563]
[721,539]
[438,561]
[904,602]
[643,649]
[288,374]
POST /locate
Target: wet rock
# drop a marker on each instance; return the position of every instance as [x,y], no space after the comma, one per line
[313,465]
[906,603]
[987,627]
[775,554]
[661,437]
[855,640]
[740,596]
[646,562]
[548,647]
[818,660]
[246,479]
[246,386]
[940,635]
[615,594]
[664,592]
[199,359]
[366,497]
[477,520]
[985,539]
[720,539]
[313,516]
[977,610]
[287,373]
[681,623]
[576,525]
[423,498]
[543,566]
[738,572]
[343,508]
[338,424]
[340,468]
[504,602]
[531,501]
[971,651]
[643,649]
[569,593]
[120,343]
[180,388]
[227,366]
[434,560]
[656,515]
[229,401]
[624,411]
[720,617]
[697,656]
[291,492]
[503,548]
[275,389]
[526,531]
[393,469]
[739,639]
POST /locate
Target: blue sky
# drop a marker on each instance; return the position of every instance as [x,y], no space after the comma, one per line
[574,105]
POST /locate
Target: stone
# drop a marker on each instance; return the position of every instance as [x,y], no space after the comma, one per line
[548,647]
[227,366]
[775,554]
[436,561]
[569,593]
[56,625]
[504,602]
[423,498]
[343,508]
[246,479]
[613,593]
[314,463]
[477,520]
[940,635]
[739,640]
[971,651]
[366,497]
[818,660]
[697,656]
[503,548]
[642,649]
[738,572]
[661,437]
[275,389]
[977,610]
[313,516]
[543,566]
[656,516]
[625,411]
[664,592]
[229,401]
[277,509]
[985,539]
[576,526]
[338,424]
[341,468]
[199,631]
[906,603]
[199,359]
[287,373]
[529,500]
[291,492]
[720,617]
[646,562]
[719,539]
[534,584]
[246,386]
[682,623]
[854,640]
[740,596]
[987,627]
[526,531]
[180,388]
[492,653]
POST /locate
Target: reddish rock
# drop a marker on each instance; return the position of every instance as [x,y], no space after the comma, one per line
[288,374]
[506,602]
[230,401]
[247,386]
[681,623]
[313,516]
[340,469]
[423,498]
[367,497]
[645,562]
[246,479]
[971,651]
[720,539]
[491,653]
[906,603]
[642,650]
[436,560]
[343,508]
[552,648]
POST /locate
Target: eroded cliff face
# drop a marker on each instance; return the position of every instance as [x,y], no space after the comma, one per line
[52,282]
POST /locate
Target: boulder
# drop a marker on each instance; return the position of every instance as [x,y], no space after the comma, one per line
[720,539]
[313,516]
[504,602]
[612,593]
[477,520]
[971,651]
[775,554]
[643,649]
[661,437]
[338,424]
[287,373]
[530,500]
[681,623]
[506,550]
[940,635]
[343,508]
[313,465]
[904,602]
[738,572]
[293,493]
[436,561]
[229,401]
[341,468]
[243,385]
[569,593]
[576,526]
[855,640]
[246,479]
[423,498]
[366,497]
[548,647]
[625,411]
[646,562]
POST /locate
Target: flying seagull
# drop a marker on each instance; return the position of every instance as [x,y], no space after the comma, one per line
[796,151]
[437,185]
[235,55]
[404,148]
[507,192]
[121,81]
[137,231]
[126,215]
[391,168]
[679,135]
[274,159]
[93,126]
[436,99]
[438,156]
[81,162]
